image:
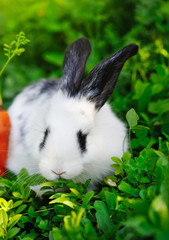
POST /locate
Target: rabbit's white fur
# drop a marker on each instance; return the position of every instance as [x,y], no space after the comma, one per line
[65,116]
[65,127]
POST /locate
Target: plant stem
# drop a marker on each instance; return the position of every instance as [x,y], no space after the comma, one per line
[5,65]
[159,142]
[124,142]
[130,143]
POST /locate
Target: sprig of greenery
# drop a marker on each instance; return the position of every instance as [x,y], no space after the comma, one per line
[11,50]
[132,119]
[14,48]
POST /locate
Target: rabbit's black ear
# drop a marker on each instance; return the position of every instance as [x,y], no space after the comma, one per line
[100,83]
[74,65]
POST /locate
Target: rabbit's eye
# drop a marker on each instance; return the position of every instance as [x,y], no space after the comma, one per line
[42,144]
[82,140]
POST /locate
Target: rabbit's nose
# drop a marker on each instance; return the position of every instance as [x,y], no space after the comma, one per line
[58,173]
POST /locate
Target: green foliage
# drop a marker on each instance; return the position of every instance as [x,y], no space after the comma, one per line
[8,219]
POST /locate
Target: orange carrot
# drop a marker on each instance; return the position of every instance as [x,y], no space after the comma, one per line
[4,139]
[11,50]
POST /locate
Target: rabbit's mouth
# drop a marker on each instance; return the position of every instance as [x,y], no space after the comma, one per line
[59,174]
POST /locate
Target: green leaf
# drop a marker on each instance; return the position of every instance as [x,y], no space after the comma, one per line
[162,235]
[17,194]
[135,143]
[23,175]
[56,234]
[126,157]
[140,225]
[27,238]
[115,165]
[17,203]
[127,188]
[139,89]
[6,183]
[72,223]
[26,192]
[119,170]
[151,192]
[6,45]
[63,200]
[79,216]
[167,145]
[25,219]
[6,205]
[101,206]
[75,192]
[2,233]
[89,229]
[116,160]
[32,213]
[87,197]
[31,236]
[43,224]
[142,94]
[6,49]
[51,184]
[14,220]
[159,107]
[132,118]
[34,180]
[110,200]
[103,220]
[12,232]
[140,127]
[69,204]
[143,179]
[159,212]
[21,208]
[3,219]
[160,70]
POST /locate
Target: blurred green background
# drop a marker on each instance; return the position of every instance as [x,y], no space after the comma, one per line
[51,25]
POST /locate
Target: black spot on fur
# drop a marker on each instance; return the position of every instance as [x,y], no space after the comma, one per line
[22,126]
[44,86]
[20,117]
[42,144]
[49,86]
[22,129]
[82,141]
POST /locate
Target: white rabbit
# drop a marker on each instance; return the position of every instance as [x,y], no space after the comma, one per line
[64,127]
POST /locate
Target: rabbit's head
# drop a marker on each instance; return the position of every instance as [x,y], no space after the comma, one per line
[71,122]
